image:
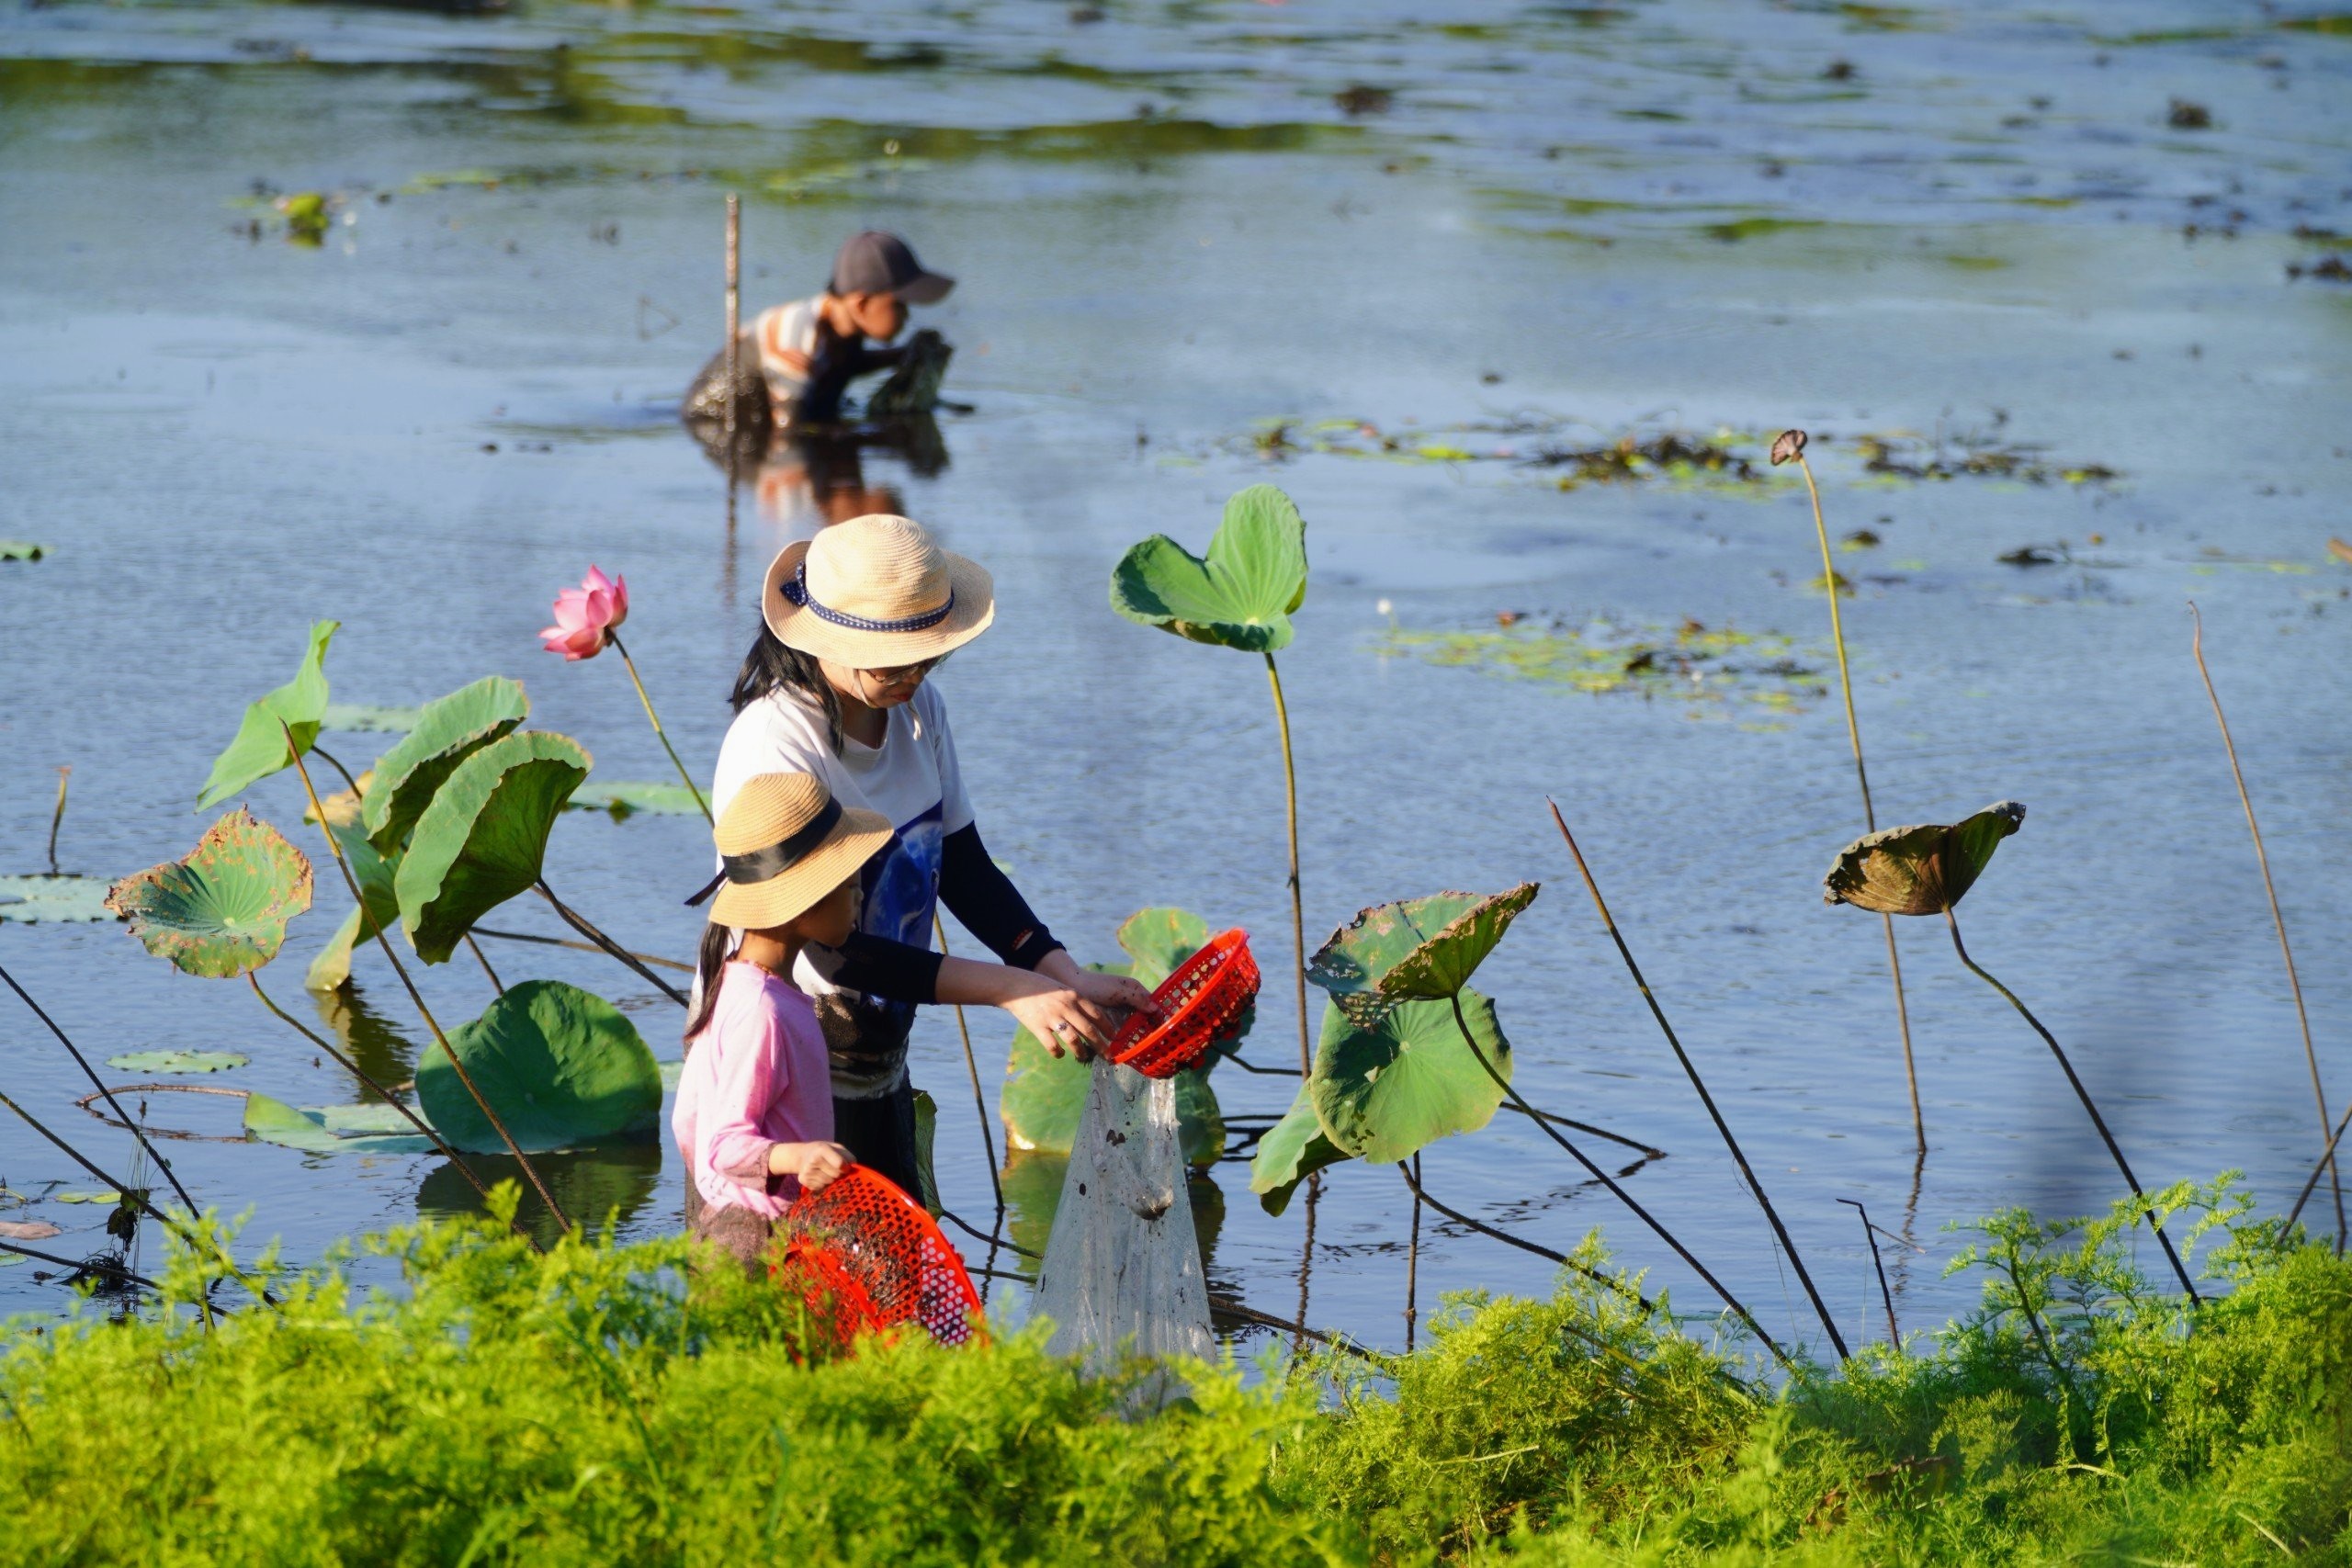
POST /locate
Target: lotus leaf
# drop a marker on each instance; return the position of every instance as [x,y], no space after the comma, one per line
[31,900]
[483,839]
[1920,870]
[926,1135]
[21,549]
[260,748]
[1241,595]
[177,1061]
[1384,1094]
[562,1068]
[447,730]
[1296,1148]
[625,800]
[1417,948]
[376,875]
[221,912]
[333,1129]
[368,718]
[1045,1096]
[106,1196]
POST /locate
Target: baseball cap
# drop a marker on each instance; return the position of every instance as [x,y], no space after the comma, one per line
[877,263]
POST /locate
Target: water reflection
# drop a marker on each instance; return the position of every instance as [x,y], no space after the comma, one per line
[610,1183]
[1032,1194]
[369,1038]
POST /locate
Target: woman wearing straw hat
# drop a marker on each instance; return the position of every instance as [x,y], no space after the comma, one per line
[834,686]
[754,1117]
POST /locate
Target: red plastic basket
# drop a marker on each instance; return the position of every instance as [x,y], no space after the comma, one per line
[1197,1006]
[868,1257]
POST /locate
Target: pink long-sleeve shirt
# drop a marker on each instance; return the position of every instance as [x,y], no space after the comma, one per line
[754,1078]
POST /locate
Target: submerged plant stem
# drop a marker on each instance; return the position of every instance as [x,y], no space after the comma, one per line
[1691,1070]
[1297,915]
[655,719]
[1862,778]
[1413,1181]
[2081,1093]
[2262,859]
[1621,1194]
[579,923]
[351,883]
[57,817]
[972,1067]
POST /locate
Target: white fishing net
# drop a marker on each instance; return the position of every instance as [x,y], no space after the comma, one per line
[1122,1274]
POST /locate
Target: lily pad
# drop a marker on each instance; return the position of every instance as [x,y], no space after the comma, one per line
[27,1230]
[368,718]
[483,838]
[1293,1149]
[1415,948]
[561,1067]
[625,800]
[21,549]
[221,912]
[33,900]
[1241,595]
[1384,1093]
[106,1196]
[260,748]
[447,730]
[332,1128]
[177,1061]
[1920,870]
[1044,1098]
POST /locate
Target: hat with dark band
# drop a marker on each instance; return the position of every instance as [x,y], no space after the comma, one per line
[875,592]
[784,844]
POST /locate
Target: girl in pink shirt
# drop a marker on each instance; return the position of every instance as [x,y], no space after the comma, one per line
[754,1116]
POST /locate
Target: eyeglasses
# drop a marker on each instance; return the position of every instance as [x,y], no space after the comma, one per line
[905,674]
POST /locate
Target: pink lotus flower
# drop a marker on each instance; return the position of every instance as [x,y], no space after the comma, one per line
[585,616]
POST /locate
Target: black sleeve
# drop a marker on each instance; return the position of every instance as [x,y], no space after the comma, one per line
[880,967]
[978,894]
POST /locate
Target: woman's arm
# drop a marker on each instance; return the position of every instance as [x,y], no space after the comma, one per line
[977,891]
[1057,1011]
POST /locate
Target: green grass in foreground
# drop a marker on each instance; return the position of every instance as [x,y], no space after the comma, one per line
[592,1408]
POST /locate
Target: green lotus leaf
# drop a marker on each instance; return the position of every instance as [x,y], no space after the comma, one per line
[1044,1099]
[926,1135]
[1414,949]
[1241,596]
[1384,1093]
[447,730]
[331,1130]
[1293,1149]
[21,549]
[1921,870]
[561,1067]
[485,837]
[375,874]
[625,799]
[260,748]
[33,900]
[177,1061]
[221,912]
[368,718]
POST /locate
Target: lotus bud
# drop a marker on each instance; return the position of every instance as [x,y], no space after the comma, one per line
[1788,447]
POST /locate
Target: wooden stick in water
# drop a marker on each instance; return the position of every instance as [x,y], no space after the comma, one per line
[734,318]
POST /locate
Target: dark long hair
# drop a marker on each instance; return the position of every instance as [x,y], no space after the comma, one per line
[716,939]
[771,667]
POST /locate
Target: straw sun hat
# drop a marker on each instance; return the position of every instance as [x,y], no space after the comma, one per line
[875,592]
[784,843]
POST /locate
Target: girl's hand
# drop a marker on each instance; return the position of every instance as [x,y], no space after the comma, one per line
[815,1166]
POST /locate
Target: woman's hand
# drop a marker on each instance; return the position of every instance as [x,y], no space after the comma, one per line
[1063,1019]
[815,1166]
[1114,991]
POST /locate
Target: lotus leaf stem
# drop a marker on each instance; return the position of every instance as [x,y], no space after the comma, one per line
[1862,777]
[1411,1172]
[350,881]
[659,733]
[1870,1234]
[57,817]
[579,922]
[102,1265]
[972,1067]
[1307,1251]
[2262,859]
[1421,1194]
[2081,1093]
[1298,914]
[2325,1156]
[1691,1070]
[1621,1194]
[580,947]
[495,983]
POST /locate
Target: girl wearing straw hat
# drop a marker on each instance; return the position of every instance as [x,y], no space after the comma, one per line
[834,686]
[754,1116]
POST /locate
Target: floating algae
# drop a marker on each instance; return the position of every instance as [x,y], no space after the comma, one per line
[1710,669]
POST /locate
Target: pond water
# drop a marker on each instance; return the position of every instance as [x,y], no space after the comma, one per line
[1960,229]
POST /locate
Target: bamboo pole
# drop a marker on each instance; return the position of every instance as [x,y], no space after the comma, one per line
[734,327]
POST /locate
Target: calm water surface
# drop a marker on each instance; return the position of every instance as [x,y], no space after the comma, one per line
[1682,215]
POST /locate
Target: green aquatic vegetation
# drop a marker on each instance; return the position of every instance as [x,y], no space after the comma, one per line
[221,911]
[447,730]
[626,798]
[332,1128]
[33,900]
[1903,456]
[559,1067]
[21,549]
[483,839]
[369,718]
[1384,1091]
[178,1061]
[1423,949]
[261,747]
[1708,668]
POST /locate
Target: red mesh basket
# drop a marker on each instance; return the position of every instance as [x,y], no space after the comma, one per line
[868,1257]
[1197,1006]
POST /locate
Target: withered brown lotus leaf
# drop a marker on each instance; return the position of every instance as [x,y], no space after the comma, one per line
[1921,870]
